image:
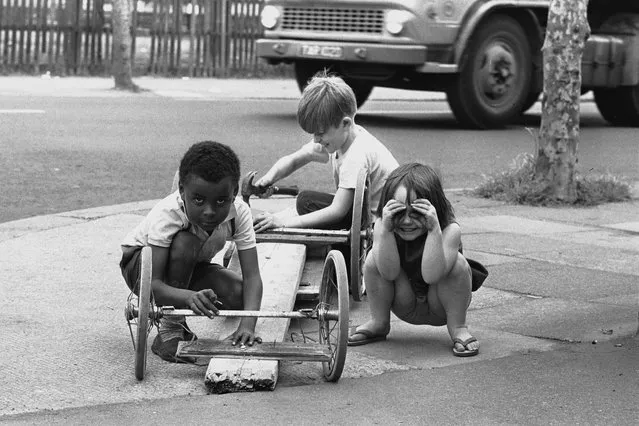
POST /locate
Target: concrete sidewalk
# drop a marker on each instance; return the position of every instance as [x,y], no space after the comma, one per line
[559,277]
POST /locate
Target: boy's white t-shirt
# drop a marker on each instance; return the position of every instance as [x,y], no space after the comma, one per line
[366,151]
[168,217]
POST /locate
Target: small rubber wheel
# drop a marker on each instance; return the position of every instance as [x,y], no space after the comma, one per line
[333,313]
[144,308]
[359,235]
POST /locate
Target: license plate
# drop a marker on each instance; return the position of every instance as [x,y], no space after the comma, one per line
[316,51]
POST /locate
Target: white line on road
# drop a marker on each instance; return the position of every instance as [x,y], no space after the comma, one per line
[22,111]
[405,112]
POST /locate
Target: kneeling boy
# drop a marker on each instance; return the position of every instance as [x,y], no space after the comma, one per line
[185,230]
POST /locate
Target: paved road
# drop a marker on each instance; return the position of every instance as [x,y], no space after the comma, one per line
[557,321]
[69,145]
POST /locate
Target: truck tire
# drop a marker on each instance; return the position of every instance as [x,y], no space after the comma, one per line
[531,100]
[305,70]
[493,84]
[619,106]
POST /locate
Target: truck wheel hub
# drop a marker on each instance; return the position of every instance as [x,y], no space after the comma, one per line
[497,71]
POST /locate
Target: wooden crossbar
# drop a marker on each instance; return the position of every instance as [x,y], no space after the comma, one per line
[304,236]
[289,351]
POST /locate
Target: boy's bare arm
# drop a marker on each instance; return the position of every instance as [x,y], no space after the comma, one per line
[252,295]
[339,208]
[288,164]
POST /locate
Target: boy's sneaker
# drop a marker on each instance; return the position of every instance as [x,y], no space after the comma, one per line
[170,333]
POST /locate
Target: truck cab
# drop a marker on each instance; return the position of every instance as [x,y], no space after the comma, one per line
[484,54]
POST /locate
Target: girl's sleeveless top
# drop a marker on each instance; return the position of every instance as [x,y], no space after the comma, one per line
[410,258]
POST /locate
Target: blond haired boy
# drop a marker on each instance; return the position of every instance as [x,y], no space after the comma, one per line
[327,110]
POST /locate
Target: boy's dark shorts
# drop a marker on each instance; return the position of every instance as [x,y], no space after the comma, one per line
[130,266]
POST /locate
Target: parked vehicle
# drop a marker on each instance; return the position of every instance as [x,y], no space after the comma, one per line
[484,54]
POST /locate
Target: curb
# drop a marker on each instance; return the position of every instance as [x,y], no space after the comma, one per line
[193,88]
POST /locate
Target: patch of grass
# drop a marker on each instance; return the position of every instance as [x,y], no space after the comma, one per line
[518,185]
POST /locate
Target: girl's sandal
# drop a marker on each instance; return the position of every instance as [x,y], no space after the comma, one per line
[466,352]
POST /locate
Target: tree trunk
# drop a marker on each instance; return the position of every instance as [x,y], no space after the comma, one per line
[122,70]
[566,35]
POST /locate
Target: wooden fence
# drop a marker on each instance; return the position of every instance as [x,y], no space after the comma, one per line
[170,37]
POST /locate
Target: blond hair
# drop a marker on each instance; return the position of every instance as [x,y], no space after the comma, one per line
[325,101]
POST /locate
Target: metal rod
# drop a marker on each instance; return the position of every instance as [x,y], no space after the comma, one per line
[169,311]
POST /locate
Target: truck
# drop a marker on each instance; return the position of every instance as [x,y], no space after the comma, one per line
[485,55]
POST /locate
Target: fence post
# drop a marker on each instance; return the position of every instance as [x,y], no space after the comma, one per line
[224,38]
[73,44]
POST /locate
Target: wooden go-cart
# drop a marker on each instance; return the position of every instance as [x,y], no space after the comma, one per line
[331,313]
[358,237]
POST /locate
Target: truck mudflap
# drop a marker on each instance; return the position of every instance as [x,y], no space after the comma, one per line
[290,50]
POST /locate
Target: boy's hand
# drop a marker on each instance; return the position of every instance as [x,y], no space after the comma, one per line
[389,213]
[244,336]
[262,182]
[203,302]
[426,209]
[265,221]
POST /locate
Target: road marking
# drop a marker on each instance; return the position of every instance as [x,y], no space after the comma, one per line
[180,94]
[402,112]
[22,111]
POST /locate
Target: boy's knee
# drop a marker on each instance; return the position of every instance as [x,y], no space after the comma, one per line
[230,291]
[303,201]
[185,246]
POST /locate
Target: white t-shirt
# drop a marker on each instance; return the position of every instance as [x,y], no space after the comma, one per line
[168,217]
[366,151]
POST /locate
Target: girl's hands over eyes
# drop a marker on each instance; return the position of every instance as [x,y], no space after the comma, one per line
[426,209]
[389,213]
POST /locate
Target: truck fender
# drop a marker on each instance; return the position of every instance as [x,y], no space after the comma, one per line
[476,14]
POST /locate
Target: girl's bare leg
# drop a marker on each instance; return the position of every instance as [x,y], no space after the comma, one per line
[453,295]
[380,293]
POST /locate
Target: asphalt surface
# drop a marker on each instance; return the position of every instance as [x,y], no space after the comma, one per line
[556,319]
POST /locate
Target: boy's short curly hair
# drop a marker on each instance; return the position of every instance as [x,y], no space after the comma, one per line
[325,101]
[212,161]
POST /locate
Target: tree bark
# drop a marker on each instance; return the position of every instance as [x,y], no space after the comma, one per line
[566,34]
[122,69]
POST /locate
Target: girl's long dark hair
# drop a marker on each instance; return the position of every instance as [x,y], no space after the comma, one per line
[426,183]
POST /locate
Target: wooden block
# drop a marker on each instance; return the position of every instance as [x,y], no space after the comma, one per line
[281,268]
[226,375]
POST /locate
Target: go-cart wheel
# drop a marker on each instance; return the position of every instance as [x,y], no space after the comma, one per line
[359,243]
[333,313]
[144,309]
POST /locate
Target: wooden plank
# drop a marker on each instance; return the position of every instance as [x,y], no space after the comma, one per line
[311,278]
[289,351]
[281,268]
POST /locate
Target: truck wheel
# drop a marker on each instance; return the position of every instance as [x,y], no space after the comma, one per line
[531,100]
[494,79]
[619,106]
[305,70]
